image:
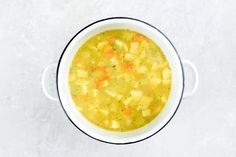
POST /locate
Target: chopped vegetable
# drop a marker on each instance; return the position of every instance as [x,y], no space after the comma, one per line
[121,45]
[141,69]
[111,93]
[163,99]
[84,89]
[155,81]
[104,112]
[115,124]
[144,102]
[118,96]
[127,101]
[113,61]
[146,113]
[105,83]
[112,40]
[116,48]
[100,45]
[154,66]
[109,53]
[127,110]
[134,47]
[129,57]
[136,94]
[128,66]
[98,84]
[82,73]
[95,92]
[138,38]
[166,73]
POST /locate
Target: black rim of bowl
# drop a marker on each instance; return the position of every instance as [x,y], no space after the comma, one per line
[111,18]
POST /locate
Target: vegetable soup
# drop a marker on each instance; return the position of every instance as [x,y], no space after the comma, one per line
[120,80]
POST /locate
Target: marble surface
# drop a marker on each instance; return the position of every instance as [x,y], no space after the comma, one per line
[33,34]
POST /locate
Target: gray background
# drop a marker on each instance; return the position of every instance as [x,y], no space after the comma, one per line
[33,34]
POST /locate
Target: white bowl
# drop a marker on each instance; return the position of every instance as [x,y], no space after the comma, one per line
[155,125]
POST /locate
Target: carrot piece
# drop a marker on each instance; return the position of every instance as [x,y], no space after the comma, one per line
[106,77]
[127,66]
[101,68]
[109,53]
[112,40]
[98,84]
[99,81]
[127,110]
[138,38]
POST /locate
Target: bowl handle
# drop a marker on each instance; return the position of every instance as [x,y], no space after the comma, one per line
[192,67]
[49,81]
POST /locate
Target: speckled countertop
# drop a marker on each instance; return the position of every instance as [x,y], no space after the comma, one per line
[33,34]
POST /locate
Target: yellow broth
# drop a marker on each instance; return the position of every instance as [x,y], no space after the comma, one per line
[120,80]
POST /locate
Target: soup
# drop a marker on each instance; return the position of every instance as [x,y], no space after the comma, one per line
[120,80]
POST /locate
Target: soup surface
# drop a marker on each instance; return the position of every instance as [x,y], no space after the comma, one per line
[120,80]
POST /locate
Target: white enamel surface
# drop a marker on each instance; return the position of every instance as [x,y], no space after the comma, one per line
[157,123]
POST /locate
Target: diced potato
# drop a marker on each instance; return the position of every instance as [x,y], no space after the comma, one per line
[144,102]
[121,44]
[84,89]
[111,93]
[163,99]
[119,96]
[141,69]
[136,94]
[128,121]
[95,92]
[134,47]
[82,73]
[115,124]
[104,112]
[81,82]
[100,45]
[146,113]
[129,57]
[113,61]
[105,83]
[166,73]
[154,66]
[155,81]
[127,101]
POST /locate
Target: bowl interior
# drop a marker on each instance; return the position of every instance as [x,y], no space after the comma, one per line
[120,137]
